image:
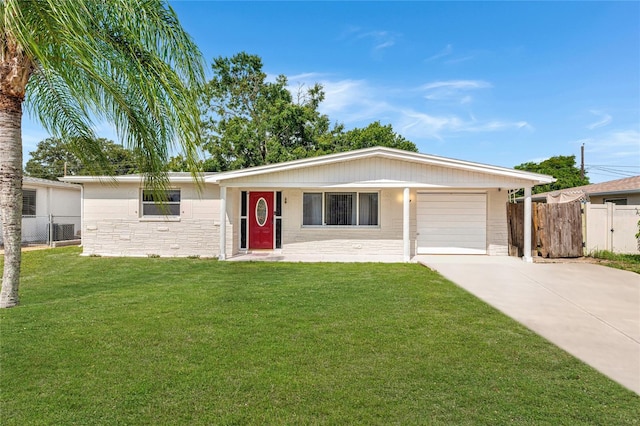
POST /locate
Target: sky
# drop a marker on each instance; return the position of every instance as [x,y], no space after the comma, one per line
[499,83]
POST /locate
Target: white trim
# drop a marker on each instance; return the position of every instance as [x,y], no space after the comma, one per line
[376,152]
[223,223]
[406,223]
[382,152]
[33,181]
[135,178]
[527,226]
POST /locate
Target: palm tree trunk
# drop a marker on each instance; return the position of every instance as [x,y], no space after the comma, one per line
[11,196]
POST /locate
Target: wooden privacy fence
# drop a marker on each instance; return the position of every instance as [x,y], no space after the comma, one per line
[556,229]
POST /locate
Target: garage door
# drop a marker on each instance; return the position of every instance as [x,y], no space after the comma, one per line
[451,223]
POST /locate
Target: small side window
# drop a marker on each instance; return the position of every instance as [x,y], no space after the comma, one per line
[28,202]
[153,204]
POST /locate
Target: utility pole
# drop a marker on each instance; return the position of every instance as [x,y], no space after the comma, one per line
[582,161]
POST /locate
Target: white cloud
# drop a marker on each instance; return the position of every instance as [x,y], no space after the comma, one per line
[448,50]
[618,141]
[421,125]
[356,103]
[381,39]
[385,45]
[452,90]
[305,76]
[457,84]
[603,120]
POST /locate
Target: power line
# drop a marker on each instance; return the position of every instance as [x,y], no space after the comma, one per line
[611,165]
[607,171]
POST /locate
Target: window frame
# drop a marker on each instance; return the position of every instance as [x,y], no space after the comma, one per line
[619,201]
[355,207]
[35,201]
[153,202]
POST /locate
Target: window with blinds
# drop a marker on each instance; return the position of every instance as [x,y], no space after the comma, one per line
[28,202]
[340,209]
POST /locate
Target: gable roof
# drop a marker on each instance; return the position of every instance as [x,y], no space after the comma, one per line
[341,157]
[612,187]
[33,181]
[382,152]
[174,177]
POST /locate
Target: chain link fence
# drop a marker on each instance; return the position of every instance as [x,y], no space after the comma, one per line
[48,230]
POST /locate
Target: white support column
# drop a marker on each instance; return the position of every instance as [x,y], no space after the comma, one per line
[223,223]
[405,225]
[82,215]
[527,226]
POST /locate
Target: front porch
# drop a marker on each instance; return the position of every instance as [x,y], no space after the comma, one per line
[278,256]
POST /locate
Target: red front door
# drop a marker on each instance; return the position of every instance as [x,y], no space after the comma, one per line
[260,220]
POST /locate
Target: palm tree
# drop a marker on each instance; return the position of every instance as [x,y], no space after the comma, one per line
[73,61]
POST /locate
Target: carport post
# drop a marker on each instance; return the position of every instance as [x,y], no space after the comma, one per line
[223,223]
[405,225]
[527,226]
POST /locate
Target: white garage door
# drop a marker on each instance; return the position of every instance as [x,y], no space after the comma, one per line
[452,223]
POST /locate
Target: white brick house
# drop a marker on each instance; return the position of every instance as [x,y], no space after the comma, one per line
[50,211]
[374,201]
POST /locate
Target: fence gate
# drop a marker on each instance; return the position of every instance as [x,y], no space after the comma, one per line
[612,227]
[556,229]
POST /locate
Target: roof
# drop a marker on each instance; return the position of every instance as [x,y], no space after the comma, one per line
[174,177]
[28,180]
[612,187]
[383,152]
[375,152]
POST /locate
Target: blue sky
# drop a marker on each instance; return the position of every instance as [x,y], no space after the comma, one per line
[493,82]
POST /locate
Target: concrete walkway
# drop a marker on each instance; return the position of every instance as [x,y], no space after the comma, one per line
[591,311]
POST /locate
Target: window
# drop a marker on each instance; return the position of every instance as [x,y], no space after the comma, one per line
[616,201]
[368,208]
[28,202]
[312,209]
[340,208]
[154,204]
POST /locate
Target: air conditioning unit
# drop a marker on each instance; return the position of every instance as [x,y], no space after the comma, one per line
[63,232]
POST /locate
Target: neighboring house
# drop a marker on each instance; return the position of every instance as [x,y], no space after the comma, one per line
[50,211]
[370,202]
[620,191]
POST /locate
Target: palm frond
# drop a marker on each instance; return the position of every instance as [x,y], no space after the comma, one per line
[127,62]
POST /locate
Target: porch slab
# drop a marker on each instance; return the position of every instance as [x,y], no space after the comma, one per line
[275,256]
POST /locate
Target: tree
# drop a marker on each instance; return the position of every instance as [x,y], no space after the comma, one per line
[250,122]
[71,62]
[375,134]
[53,157]
[561,167]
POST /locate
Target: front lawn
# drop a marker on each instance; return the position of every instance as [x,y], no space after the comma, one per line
[194,341]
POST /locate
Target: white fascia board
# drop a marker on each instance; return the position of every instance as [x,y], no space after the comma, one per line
[32,181]
[122,179]
[391,153]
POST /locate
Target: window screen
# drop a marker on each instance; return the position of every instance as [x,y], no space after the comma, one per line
[340,208]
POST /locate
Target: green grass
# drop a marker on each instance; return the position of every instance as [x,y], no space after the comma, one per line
[628,262]
[194,341]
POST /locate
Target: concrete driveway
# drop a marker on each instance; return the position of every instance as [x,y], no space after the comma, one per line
[591,311]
